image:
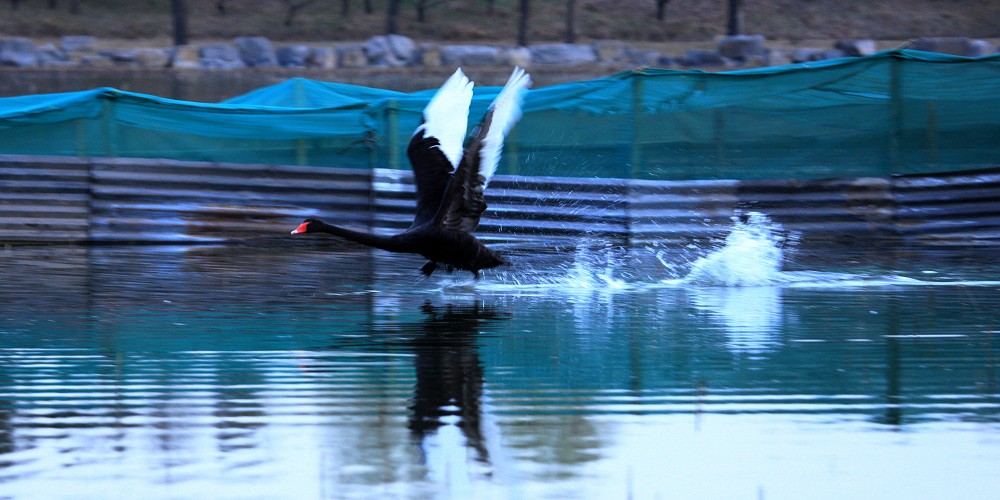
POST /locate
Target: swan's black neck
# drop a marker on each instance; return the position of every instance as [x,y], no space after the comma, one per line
[387,243]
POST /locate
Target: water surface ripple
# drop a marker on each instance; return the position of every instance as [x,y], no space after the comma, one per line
[321,370]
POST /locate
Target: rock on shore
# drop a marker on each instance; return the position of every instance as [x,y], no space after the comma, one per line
[397,51]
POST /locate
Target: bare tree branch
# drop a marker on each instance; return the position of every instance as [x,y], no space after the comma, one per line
[392,18]
[570,21]
[522,23]
[422,7]
[734,23]
[178,9]
[294,8]
[661,9]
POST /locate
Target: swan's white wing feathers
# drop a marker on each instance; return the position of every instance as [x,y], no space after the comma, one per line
[506,109]
[446,116]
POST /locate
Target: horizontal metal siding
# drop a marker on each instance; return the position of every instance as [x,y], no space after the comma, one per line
[44,200]
[824,208]
[949,208]
[680,210]
[58,199]
[141,200]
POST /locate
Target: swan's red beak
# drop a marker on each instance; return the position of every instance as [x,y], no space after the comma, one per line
[301,229]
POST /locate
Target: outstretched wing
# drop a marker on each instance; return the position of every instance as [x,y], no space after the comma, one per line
[436,147]
[463,200]
[431,173]
[500,118]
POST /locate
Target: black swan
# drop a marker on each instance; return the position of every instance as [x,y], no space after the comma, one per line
[450,180]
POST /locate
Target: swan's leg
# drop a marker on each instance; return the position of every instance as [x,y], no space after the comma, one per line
[429,268]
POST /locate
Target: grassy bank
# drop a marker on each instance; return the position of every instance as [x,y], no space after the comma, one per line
[470,20]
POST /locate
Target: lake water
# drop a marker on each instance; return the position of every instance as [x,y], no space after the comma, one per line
[746,368]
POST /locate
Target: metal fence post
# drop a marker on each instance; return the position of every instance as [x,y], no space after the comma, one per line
[895,113]
[108,136]
[392,130]
[637,105]
[301,145]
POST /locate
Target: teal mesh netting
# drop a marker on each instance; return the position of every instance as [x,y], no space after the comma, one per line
[898,111]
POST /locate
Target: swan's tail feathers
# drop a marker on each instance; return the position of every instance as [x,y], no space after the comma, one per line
[446,116]
[501,117]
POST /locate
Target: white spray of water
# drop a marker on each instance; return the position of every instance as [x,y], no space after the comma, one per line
[592,271]
[751,255]
[596,267]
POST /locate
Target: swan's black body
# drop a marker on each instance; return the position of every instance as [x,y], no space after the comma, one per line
[440,245]
[449,201]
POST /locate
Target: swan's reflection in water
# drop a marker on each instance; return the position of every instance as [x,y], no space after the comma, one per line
[445,414]
[449,384]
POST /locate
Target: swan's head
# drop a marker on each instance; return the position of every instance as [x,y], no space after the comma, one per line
[308,226]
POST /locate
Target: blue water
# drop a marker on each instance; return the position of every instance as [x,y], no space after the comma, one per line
[750,367]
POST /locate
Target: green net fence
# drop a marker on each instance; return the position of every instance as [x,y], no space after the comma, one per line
[895,112]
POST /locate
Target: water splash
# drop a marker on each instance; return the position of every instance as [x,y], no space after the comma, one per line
[751,255]
[593,266]
[594,269]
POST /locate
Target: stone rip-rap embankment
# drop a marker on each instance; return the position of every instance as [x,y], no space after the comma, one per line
[400,51]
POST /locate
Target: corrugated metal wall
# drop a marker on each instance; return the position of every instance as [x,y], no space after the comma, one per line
[44,199]
[952,208]
[61,199]
[175,201]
